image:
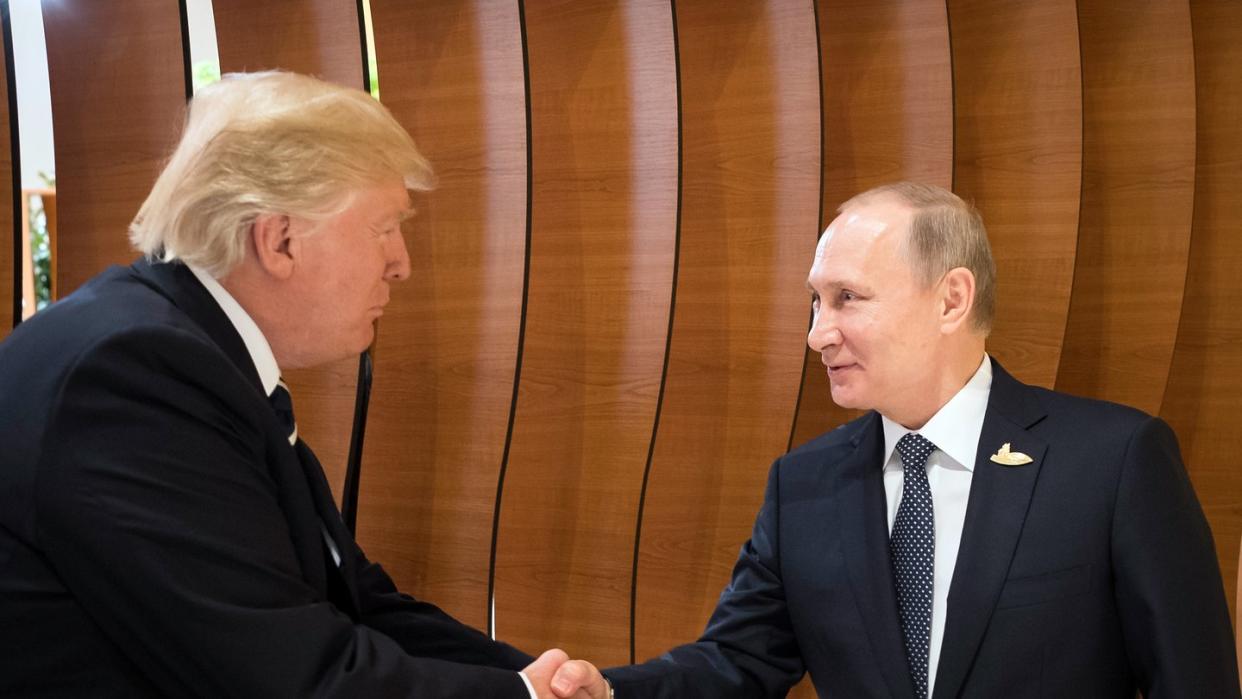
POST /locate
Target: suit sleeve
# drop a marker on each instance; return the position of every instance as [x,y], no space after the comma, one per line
[156,507]
[423,629]
[1168,586]
[748,649]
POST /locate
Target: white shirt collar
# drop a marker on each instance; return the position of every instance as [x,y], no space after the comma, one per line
[256,344]
[956,427]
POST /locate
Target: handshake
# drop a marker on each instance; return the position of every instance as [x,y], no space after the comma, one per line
[554,676]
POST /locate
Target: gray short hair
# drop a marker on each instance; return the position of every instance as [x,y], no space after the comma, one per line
[945,233]
[268,143]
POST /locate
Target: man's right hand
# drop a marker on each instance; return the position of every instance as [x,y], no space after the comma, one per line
[555,676]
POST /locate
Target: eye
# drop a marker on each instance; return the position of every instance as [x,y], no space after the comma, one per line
[847,295]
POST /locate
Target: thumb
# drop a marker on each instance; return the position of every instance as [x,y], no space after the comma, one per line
[568,678]
[547,663]
[575,675]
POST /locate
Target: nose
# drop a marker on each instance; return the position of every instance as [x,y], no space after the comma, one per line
[824,331]
[398,268]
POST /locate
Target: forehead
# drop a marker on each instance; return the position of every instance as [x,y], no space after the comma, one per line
[862,237]
[384,201]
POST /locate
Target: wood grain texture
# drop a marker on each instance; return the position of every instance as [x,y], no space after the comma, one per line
[316,37]
[321,38]
[1201,400]
[1018,156]
[750,203]
[1137,200]
[10,221]
[604,156]
[445,361]
[118,101]
[888,115]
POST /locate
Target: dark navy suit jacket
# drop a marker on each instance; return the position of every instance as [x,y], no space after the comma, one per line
[1089,572]
[160,537]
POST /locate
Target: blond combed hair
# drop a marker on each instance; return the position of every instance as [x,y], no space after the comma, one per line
[268,143]
[945,233]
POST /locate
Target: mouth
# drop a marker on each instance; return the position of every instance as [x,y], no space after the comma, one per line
[837,369]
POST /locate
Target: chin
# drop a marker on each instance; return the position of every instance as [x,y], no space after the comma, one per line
[365,338]
[843,399]
[850,400]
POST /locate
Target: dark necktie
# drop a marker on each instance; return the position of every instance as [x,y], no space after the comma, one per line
[282,403]
[912,546]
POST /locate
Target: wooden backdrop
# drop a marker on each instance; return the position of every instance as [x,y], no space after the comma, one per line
[579,392]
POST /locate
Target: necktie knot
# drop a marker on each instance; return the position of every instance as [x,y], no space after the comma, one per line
[282,404]
[914,449]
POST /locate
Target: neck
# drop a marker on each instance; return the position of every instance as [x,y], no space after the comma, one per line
[958,370]
[254,292]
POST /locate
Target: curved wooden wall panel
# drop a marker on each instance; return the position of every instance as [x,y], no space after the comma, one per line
[1018,157]
[887,89]
[10,217]
[322,38]
[1137,200]
[603,220]
[118,99]
[750,202]
[1201,400]
[316,37]
[444,364]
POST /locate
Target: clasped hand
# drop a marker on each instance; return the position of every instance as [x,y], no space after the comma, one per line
[555,676]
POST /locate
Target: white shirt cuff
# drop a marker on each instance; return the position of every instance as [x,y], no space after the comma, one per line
[529,687]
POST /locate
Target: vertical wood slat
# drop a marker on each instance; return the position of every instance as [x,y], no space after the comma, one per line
[888,115]
[320,38]
[445,361]
[11,232]
[315,37]
[118,99]
[1018,157]
[1137,200]
[1201,399]
[750,203]
[604,158]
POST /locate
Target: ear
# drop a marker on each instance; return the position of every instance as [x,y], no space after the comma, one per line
[273,242]
[957,299]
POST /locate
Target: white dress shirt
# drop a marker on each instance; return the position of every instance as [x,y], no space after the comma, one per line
[955,430]
[269,374]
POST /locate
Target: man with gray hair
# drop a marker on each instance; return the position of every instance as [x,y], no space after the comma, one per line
[970,536]
[163,531]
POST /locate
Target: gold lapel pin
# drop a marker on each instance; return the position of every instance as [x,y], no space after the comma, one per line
[1004,457]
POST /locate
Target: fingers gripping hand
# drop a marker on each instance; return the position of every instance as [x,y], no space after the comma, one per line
[554,676]
[578,679]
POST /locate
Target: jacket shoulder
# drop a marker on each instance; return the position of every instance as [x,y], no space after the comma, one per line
[843,435]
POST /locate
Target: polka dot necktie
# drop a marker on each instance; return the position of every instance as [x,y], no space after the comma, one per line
[912,547]
[282,403]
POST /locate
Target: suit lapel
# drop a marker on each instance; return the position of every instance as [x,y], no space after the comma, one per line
[321,493]
[864,535]
[995,513]
[177,283]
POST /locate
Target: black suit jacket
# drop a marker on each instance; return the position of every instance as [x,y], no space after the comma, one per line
[160,537]
[1089,572]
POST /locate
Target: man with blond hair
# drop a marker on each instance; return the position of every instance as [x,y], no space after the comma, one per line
[163,531]
[970,536]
